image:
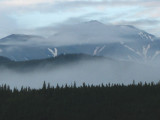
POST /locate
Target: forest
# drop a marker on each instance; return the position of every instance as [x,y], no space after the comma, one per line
[136,101]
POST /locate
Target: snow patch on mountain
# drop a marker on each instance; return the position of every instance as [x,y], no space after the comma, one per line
[95,51]
[145,50]
[101,49]
[53,52]
[133,50]
[155,55]
[98,50]
[143,54]
[145,36]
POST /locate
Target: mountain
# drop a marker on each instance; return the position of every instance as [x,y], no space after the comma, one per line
[123,42]
[22,47]
[19,39]
[4,60]
[48,62]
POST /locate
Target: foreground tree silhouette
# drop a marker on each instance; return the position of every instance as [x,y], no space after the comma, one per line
[87,102]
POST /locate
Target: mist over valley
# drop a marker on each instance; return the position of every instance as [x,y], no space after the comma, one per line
[87,52]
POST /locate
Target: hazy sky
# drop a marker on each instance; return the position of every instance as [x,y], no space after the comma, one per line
[21,15]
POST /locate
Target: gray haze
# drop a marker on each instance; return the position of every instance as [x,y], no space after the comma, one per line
[93,38]
[91,32]
[90,72]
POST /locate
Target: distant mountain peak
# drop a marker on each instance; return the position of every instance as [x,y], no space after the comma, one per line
[94,22]
[21,35]
[128,26]
[131,26]
[18,38]
[16,35]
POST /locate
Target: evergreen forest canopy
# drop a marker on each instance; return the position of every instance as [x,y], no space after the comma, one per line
[87,102]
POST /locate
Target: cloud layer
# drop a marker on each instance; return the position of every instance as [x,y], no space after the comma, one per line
[90,72]
[18,15]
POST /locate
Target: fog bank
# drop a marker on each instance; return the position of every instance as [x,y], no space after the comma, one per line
[90,72]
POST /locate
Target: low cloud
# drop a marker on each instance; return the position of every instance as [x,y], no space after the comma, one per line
[91,32]
[144,24]
[141,22]
[91,72]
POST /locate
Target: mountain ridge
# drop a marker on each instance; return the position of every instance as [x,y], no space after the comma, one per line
[123,42]
[47,62]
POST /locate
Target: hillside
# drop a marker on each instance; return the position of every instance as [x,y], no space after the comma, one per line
[49,62]
[4,60]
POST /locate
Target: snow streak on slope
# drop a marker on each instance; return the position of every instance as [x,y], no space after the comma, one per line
[131,49]
[145,36]
[98,50]
[155,55]
[144,54]
[145,51]
[95,51]
[54,53]
[101,49]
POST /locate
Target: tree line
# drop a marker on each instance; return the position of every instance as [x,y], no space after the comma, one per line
[86,102]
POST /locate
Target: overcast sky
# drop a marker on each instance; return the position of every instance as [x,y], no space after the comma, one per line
[22,15]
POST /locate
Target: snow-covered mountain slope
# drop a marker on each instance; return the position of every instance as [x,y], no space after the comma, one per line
[123,42]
